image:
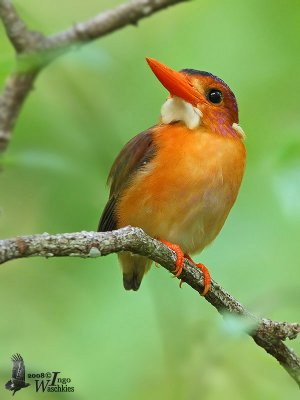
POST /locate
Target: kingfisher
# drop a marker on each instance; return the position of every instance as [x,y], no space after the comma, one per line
[179,179]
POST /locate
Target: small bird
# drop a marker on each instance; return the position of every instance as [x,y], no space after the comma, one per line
[179,179]
[17,381]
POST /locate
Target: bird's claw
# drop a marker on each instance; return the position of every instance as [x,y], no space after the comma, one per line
[205,272]
[179,265]
[179,256]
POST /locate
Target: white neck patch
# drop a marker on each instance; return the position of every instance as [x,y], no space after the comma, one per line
[176,109]
[239,130]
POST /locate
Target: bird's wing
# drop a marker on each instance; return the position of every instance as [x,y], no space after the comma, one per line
[134,155]
[18,370]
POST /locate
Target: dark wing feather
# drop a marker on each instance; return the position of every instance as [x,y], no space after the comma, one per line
[18,370]
[108,220]
[134,155]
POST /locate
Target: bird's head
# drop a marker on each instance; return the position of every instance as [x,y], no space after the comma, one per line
[197,98]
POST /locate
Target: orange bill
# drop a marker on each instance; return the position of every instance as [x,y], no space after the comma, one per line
[175,82]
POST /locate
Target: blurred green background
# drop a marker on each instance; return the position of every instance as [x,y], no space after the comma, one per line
[73,315]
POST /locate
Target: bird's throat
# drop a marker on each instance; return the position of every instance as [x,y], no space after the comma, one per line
[176,109]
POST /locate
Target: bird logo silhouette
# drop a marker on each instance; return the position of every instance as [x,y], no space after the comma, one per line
[17,381]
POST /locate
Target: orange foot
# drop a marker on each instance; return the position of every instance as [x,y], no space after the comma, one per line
[179,256]
[179,265]
[206,274]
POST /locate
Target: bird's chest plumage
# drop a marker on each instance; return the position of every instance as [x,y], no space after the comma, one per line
[186,191]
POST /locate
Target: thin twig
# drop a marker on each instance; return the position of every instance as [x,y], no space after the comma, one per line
[35,51]
[16,90]
[20,36]
[106,22]
[266,333]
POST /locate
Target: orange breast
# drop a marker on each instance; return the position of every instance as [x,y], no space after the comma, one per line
[186,192]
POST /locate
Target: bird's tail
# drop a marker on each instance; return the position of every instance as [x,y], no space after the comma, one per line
[134,267]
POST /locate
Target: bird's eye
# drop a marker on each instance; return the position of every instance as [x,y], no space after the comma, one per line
[215,96]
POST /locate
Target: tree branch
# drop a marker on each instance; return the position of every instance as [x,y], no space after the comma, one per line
[15,92]
[266,333]
[35,51]
[20,36]
[108,21]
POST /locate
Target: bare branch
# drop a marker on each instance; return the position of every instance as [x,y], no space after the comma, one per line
[266,333]
[108,21]
[15,91]
[20,36]
[36,51]
[16,29]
